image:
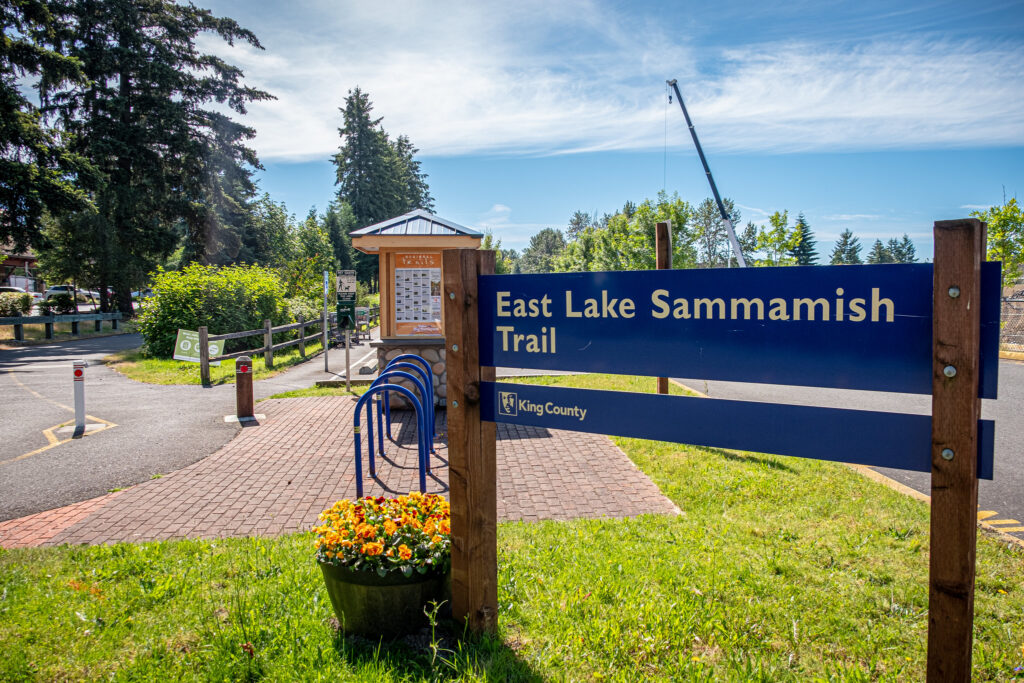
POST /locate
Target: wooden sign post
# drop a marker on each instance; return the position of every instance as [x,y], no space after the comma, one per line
[472,475]
[663,261]
[602,319]
[956,349]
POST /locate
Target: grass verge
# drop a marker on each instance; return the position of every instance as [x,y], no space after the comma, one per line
[134,365]
[36,334]
[778,569]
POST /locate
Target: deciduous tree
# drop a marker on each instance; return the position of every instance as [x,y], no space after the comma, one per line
[1006,238]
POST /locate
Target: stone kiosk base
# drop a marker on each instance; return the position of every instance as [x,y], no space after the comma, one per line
[431,350]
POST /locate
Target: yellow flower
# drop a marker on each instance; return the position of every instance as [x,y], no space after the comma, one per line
[404,552]
[372,548]
[366,531]
[390,527]
[429,527]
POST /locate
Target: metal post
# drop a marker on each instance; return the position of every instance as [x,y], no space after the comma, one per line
[326,322]
[79,377]
[348,365]
[302,335]
[243,388]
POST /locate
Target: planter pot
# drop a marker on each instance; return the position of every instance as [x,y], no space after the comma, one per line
[374,606]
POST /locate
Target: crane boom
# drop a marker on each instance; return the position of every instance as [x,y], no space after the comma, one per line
[714,190]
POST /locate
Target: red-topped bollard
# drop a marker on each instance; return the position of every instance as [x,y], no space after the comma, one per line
[243,388]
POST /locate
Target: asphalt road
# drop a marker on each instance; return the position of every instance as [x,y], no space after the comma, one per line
[1003,495]
[158,428]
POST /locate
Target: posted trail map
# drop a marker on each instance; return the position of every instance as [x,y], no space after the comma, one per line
[418,294]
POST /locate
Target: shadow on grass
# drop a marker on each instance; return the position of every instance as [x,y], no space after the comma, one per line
[747,458]
[447,654]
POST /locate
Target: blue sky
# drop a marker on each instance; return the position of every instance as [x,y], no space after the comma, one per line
[860,115]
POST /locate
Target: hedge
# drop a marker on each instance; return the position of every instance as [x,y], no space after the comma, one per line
[224,299]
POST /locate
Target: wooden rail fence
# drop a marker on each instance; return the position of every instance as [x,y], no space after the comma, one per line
[50,320]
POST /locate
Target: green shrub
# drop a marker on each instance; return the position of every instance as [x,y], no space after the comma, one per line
[25,303]
[10,304]
[58,304]
[224,299]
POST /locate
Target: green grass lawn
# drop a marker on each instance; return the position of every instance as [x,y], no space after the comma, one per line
[777,569]
[62,332]
[134,365]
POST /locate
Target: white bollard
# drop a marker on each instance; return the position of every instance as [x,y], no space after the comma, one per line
[79,375]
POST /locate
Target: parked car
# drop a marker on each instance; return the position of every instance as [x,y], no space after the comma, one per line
[59,289]
[142,293]
[36,296]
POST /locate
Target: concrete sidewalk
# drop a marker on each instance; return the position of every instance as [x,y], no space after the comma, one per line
[276,477]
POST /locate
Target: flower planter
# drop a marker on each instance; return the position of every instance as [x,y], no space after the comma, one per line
[370,605]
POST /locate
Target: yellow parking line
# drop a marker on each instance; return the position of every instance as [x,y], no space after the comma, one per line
[37,394]
[985,514]
[1004,521]
[1012,528]
[52,439]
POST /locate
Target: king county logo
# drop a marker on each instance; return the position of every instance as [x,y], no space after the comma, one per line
[507,403]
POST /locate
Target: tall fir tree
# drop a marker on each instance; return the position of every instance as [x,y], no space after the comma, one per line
[903,251]
[879,253]
[377,178]
[805,253]
[37,171]
[847,250]
[165,159]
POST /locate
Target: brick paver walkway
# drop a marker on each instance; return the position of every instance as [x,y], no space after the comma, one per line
[277,477]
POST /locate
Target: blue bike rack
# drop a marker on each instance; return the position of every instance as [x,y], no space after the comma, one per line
[428,381]
[420,415]
[423,430]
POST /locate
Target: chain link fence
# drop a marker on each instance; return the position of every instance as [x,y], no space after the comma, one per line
[1011,336]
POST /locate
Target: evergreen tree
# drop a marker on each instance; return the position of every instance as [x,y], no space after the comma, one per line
[339,222]
[37,171]
[544,248]
[379,179]
[846,251]
[579,222]
[903,251]
[805,252]
[165,161]
[879,253]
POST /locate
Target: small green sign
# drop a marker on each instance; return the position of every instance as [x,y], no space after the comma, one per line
[186,347]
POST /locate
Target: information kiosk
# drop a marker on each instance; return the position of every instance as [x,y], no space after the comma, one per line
[411,312]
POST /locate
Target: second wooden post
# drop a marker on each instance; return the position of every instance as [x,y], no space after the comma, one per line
[663,261]
[471,446]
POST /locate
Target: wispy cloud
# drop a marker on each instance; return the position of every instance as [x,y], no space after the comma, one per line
[851,217]
[546,78]
[976,207]
[498,221]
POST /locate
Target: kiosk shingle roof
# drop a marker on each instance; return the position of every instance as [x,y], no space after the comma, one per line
[416,222]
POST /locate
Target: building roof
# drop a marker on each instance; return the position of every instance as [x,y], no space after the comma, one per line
[416,222]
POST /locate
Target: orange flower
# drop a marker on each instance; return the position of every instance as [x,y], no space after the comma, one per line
[429,527]
[372,548]
[390,527]
[404,552]
[366,531]
[436,539]
[444,527]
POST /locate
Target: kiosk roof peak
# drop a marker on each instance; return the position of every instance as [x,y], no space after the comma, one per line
[417,222]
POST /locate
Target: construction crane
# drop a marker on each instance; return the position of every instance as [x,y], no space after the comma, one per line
[714,190]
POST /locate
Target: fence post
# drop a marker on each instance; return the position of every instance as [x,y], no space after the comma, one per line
[956,343]
[98,325]
[19,332]
[663,258]
[302,335]
[204,356]
[471,446]
[268,344]
[113,321]
[74,328]
[49,328]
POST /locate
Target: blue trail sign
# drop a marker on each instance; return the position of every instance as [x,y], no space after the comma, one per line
[864,327]
[863,437]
